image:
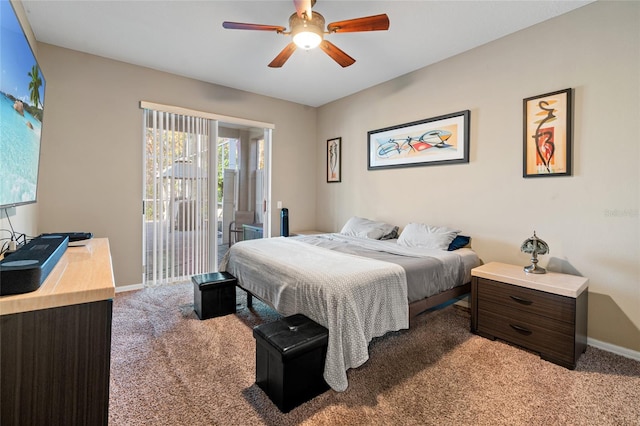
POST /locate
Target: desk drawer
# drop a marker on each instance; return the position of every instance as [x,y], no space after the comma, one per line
[526,300]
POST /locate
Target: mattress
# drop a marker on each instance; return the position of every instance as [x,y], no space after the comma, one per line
[420,265]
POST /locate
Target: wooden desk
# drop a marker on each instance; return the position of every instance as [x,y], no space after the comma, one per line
[55,343]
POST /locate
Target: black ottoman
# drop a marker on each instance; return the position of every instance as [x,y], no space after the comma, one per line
[290,354]
[214,294]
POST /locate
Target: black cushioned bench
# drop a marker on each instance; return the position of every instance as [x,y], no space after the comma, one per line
[290,356]
[214,294]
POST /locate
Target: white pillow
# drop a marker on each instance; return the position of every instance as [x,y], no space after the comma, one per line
[366,228]
[427,236]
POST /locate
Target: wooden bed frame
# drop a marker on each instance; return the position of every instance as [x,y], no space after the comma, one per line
[419,306]
[415,308]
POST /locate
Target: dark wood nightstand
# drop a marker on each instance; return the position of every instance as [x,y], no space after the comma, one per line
[545,313]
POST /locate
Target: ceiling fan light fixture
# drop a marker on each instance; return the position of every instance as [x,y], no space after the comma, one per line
[307,33]
[307,40]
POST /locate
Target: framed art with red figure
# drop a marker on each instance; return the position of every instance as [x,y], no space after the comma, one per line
[547,141]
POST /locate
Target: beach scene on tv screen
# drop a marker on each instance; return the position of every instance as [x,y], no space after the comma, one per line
[21,112]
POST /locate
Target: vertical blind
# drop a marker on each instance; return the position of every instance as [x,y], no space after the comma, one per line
[176,237]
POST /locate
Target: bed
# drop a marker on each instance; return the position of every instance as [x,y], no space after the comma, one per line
[358,287]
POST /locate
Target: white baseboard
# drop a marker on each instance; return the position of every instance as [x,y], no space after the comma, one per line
[132,287]
[618,350]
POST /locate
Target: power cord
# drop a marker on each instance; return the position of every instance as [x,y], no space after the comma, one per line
[12,243]
[5,245]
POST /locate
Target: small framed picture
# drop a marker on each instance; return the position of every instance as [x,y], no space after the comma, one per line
[547,135]
[334,160]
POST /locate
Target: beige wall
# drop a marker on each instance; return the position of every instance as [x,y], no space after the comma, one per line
[590,220]
[91,168]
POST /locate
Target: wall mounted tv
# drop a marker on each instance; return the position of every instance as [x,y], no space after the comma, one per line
[21,111]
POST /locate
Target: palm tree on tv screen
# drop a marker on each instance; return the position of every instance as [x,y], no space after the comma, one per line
[34,85]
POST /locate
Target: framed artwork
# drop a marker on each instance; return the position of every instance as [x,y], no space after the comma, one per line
[547,135]
[334,160]
[438,140]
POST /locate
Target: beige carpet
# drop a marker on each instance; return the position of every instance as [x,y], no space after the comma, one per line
[169,368]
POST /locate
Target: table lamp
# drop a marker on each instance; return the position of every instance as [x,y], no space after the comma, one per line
[535,246]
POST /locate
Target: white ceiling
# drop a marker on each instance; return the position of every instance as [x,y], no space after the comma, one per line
[186,38]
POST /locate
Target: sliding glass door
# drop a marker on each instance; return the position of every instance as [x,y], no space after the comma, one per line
[196,183]
[176,207]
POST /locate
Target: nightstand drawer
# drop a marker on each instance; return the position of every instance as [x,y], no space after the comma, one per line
[525,300]
[523,318]
[550,343]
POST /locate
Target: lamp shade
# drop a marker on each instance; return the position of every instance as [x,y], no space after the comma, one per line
[307,40]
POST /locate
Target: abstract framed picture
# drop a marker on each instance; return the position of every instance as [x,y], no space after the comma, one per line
[434,141]
[547,135]
[334,160]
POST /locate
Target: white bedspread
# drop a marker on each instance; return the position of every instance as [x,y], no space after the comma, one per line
[356,298]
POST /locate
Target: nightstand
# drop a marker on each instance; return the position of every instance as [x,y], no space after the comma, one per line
[296,233]
[251,231]
[545,313]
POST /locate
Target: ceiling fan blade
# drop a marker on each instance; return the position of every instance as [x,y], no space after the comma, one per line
[282,57]
[369,23]
[336,54]
[257,27]
[303,7]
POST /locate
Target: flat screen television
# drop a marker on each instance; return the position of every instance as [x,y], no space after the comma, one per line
[22,88]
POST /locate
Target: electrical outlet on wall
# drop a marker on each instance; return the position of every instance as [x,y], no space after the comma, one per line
[279,204]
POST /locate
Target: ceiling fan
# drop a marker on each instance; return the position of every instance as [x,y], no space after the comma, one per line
[307,31]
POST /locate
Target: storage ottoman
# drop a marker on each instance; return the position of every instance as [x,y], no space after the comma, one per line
[290,355]
[214,294]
